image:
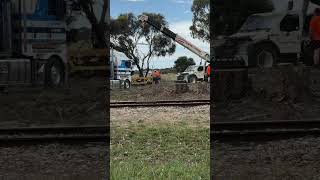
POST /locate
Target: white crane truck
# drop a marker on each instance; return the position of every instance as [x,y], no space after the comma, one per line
[190,75]
[33,42]
[266,39]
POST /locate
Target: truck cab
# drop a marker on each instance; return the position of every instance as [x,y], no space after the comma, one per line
[121,70]
[33,42]
[194,73]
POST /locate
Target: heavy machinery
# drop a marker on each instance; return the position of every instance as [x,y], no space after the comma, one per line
[33,42]
[87,61]
[263,41]
[192,74]
[202,54]
[266,39]
[137,80]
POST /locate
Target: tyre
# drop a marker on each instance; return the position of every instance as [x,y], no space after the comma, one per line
[54,73]
[264,56]
[126,84]
[192,79]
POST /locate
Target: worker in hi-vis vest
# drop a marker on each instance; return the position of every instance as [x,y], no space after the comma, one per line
[156,76]
[208,72]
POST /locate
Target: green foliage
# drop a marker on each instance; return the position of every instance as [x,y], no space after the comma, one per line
[98,23]
[127,32]
[228,15]
[182,63]
[200,21]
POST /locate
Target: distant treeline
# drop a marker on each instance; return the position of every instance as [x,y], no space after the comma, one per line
[163,71]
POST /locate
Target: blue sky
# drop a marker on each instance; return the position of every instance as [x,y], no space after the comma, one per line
[177,13]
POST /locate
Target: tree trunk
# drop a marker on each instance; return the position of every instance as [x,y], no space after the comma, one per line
[181,87]
[229,83]
[99,28]
[147,71]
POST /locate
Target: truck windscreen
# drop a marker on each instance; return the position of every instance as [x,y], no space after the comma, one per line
[255,23]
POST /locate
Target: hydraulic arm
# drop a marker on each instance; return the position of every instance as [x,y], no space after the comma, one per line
[202,54]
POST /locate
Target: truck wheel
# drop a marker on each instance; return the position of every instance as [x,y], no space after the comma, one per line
[126,84]
[307,54]
[54,73]
[265,56]
[192,79]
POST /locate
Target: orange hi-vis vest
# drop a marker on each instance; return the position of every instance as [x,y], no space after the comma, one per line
[156,74]
[315,28]
[208,70]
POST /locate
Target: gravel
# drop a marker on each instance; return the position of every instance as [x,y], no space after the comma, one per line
[296,158]
[79,161]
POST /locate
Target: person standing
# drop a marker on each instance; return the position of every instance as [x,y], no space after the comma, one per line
[315,35]
[156,76]
[208,72]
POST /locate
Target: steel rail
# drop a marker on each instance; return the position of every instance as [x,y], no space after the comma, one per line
[49,134]
[263,130]
[185,103]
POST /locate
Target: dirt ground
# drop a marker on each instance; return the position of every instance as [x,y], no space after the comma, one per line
[166,90]
[295,159]
[162,91]
[80,103]
[256,106]
[54,161]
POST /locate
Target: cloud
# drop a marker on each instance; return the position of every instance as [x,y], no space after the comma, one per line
[182,29]
[183,1]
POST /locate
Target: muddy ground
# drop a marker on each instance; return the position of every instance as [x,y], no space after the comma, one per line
[162,91]
[80,161]
[296,158]
[257,106]
[80,103]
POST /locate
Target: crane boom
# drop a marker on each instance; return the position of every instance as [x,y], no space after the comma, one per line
[202,54]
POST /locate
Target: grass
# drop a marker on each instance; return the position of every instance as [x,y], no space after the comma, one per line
[161,152]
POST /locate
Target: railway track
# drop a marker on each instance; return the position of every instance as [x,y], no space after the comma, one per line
[263,130]
[185,103]
[49,134]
